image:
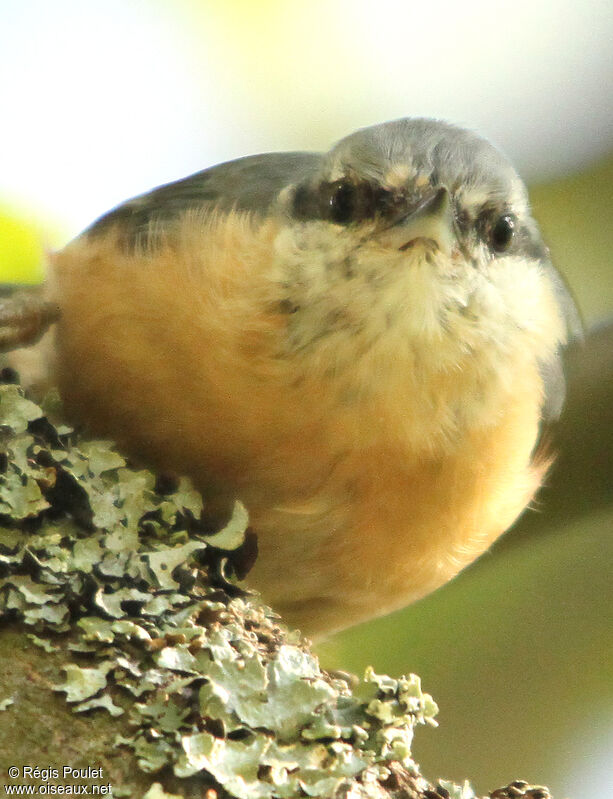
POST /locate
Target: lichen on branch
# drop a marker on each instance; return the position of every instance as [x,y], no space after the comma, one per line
[118,574]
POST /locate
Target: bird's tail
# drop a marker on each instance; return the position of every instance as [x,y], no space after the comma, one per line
[27,316]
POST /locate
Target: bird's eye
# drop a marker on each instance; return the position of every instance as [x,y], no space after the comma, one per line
[502,233]
[342,201]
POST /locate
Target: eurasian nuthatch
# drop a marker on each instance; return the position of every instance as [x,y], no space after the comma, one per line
[361,345]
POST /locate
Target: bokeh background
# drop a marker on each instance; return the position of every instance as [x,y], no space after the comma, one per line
[102,100]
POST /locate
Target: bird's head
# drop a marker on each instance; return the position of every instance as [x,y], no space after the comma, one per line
[416,237]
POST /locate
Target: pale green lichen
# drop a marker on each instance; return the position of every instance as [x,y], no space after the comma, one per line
[205,678]
[81,683]
[157,792]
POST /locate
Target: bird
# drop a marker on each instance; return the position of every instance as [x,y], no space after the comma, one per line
[362,345]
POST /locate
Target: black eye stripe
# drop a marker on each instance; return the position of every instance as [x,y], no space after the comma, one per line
[497,227]
[502,232]
[343,201]
[348,201]
[305,205]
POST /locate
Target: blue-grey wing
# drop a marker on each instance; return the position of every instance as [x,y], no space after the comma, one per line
[552,370]
[248,184]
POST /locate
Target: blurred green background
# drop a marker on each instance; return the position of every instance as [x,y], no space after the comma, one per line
[101,101]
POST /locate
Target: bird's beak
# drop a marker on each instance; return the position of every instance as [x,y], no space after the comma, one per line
[431,223]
